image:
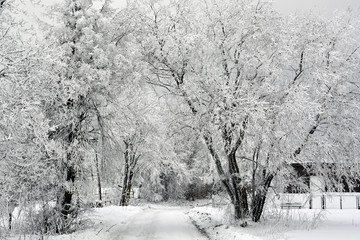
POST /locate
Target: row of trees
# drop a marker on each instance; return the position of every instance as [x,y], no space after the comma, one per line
[74,104]
[152,92]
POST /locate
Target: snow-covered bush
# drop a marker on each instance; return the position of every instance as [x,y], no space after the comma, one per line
[280,220]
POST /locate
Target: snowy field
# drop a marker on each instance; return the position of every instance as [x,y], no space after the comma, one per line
[205,222]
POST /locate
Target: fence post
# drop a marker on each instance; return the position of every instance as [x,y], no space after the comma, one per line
[358,202]
[341,205]
[323,203]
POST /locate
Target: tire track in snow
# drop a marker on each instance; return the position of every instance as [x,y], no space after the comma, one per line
[200,229]
[158,224]
[136,228]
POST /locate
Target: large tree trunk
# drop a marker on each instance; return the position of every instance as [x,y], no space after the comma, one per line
[244,202]
[130,164]
[66,194]
[125,183]
[128,188]
[240,200]
[259,198]
[232,184]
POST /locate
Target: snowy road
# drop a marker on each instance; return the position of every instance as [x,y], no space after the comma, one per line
[155,224]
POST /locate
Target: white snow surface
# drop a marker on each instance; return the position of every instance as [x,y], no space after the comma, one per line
[294,224]
[163,222]
[337,224]
[130,223]
[158,223]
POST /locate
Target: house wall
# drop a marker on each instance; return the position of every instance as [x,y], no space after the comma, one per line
[315,184]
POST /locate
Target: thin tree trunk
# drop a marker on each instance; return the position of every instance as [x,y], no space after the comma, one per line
[10,220]
[98,176]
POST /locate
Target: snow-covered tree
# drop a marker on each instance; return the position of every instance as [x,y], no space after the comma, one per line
[140,144]
[257,86]
[29,167]
[87,72]
[56,94]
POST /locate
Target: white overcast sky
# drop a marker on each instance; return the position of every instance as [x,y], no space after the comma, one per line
[325,7]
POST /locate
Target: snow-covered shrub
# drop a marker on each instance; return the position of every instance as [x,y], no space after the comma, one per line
[281,220]
[47,219]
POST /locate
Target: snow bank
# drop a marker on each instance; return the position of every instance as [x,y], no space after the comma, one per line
[99,226]
[212,221]
[338,224]
[278,224]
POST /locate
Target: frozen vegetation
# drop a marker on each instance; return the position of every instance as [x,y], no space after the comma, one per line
[109,115]
[180,220]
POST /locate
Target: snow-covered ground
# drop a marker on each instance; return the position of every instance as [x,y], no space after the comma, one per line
[337,224]
[294,224]
[134,223]
[205,222]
